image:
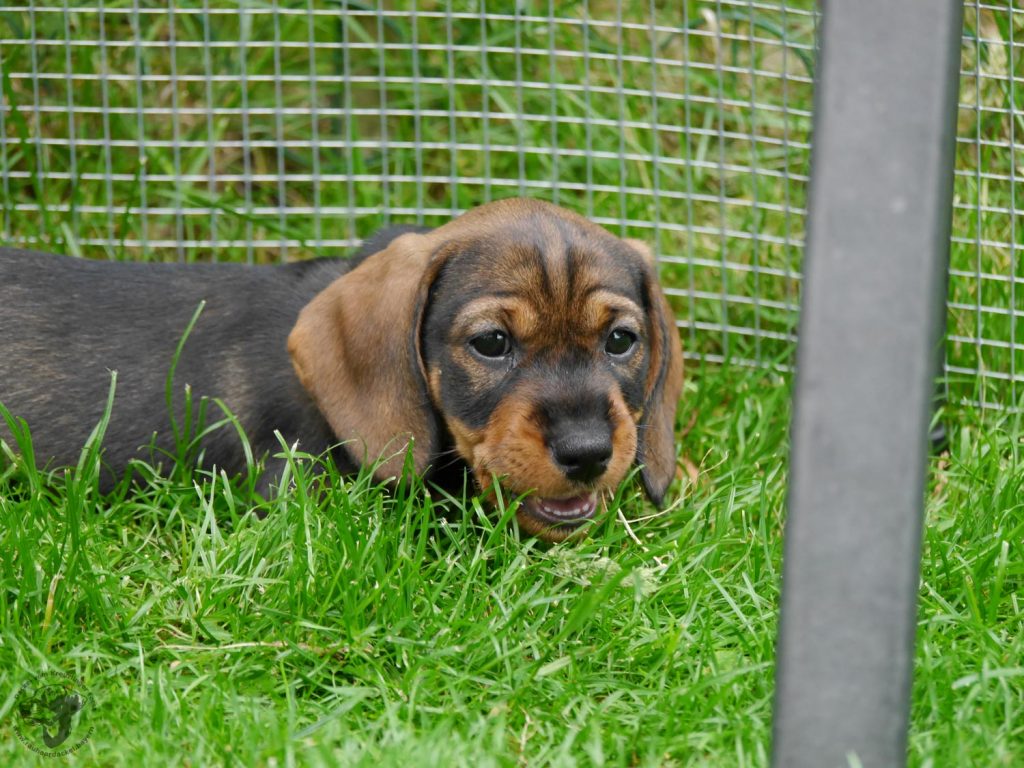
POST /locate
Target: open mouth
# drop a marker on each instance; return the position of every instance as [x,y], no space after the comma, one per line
[562,512]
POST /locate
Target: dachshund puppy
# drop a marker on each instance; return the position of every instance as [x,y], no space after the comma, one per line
[525,340]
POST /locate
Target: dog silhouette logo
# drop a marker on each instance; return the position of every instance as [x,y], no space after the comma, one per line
[52,713]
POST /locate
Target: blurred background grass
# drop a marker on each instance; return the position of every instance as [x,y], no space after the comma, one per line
[275,131]
[266,132]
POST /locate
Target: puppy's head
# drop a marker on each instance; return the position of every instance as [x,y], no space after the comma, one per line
[540,342]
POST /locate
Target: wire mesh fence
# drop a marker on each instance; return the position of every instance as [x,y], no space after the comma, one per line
[199,129]
[986,309]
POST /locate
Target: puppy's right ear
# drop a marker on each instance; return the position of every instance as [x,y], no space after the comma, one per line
[355,348]
[657,449]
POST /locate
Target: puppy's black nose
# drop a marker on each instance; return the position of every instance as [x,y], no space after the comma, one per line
[583,455]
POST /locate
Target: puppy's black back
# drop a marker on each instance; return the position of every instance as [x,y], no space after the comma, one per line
[66,323]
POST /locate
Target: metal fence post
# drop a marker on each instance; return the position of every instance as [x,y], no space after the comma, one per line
[870,331]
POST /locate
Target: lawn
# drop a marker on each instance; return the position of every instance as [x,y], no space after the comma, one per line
[358,626]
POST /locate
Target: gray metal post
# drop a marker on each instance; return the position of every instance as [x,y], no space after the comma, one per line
[870,331]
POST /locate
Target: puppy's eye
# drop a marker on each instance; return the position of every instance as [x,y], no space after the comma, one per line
[620,342]
[493,344]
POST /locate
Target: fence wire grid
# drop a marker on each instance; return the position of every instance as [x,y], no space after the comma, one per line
[202,129]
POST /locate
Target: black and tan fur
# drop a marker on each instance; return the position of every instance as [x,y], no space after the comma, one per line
[384,350]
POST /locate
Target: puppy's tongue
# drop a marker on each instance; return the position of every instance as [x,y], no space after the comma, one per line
[562,511]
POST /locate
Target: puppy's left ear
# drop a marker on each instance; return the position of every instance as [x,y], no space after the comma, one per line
[656,449]
[355,348]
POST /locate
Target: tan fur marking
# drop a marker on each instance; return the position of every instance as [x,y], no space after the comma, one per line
[512,448]
[518,316]
[434,383]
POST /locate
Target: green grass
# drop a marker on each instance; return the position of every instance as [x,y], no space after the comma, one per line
[364,627]
[357,627]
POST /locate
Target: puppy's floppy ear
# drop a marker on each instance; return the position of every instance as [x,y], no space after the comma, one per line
[355,348]
[656,449]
